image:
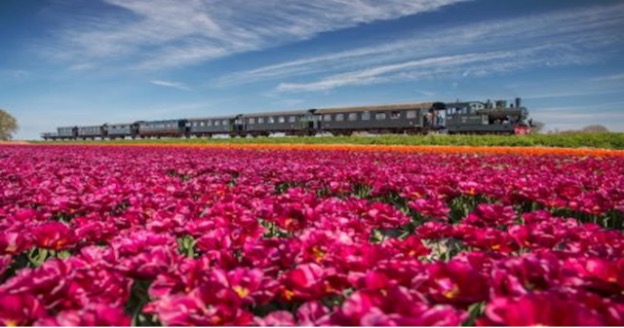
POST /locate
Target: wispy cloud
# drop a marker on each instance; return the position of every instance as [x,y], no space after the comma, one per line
[170,84]
[565,37]
[175,33]
[81,67]
[14,74]
[613,77]
[470,64]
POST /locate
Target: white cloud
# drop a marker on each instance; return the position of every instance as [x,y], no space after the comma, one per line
[475,64]
[14,74]
[574,36]
[177,33]
[613,77]
[170,84]
[81,67]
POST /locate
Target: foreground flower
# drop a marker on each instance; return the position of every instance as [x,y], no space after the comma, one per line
[395,307]
[54,235]
[538,310]
[19,309]
[454,282]
[201,307]
[92,315]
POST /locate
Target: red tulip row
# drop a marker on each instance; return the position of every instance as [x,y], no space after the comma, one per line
[145,235]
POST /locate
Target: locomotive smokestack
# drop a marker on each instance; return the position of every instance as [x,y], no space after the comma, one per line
[517,101]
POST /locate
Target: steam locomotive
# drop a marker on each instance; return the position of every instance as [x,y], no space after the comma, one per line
[468,117]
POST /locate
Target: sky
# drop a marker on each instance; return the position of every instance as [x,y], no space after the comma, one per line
[76,62]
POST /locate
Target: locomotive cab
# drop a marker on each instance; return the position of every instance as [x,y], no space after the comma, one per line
[490,117]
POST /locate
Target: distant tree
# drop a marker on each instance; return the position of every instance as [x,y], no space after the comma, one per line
[595,128]
[537,126]
[8,125]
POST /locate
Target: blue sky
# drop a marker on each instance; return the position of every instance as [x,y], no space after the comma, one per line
[79,62]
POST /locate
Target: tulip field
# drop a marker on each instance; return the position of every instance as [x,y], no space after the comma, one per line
[177,236]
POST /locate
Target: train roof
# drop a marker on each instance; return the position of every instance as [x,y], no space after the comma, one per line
[285,113]
[409,106]
[159,121]
[462,103]
[211,118]
[123,123]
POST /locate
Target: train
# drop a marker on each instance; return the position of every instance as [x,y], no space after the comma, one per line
[459,117]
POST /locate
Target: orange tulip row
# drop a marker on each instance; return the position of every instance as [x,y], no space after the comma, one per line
[395,148]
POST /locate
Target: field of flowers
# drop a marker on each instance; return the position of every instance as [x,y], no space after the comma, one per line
[101,235]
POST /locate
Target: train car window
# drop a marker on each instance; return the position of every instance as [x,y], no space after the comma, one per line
[395,115]
[366,116]
[411,114]
[217,123]
[209,123]
[225,122]
[352,116]
[260,120]
[292,119]
[380,116]
[252,121]
[281,119]
[339,117]
[327,117]
[271,120]
[201,123]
